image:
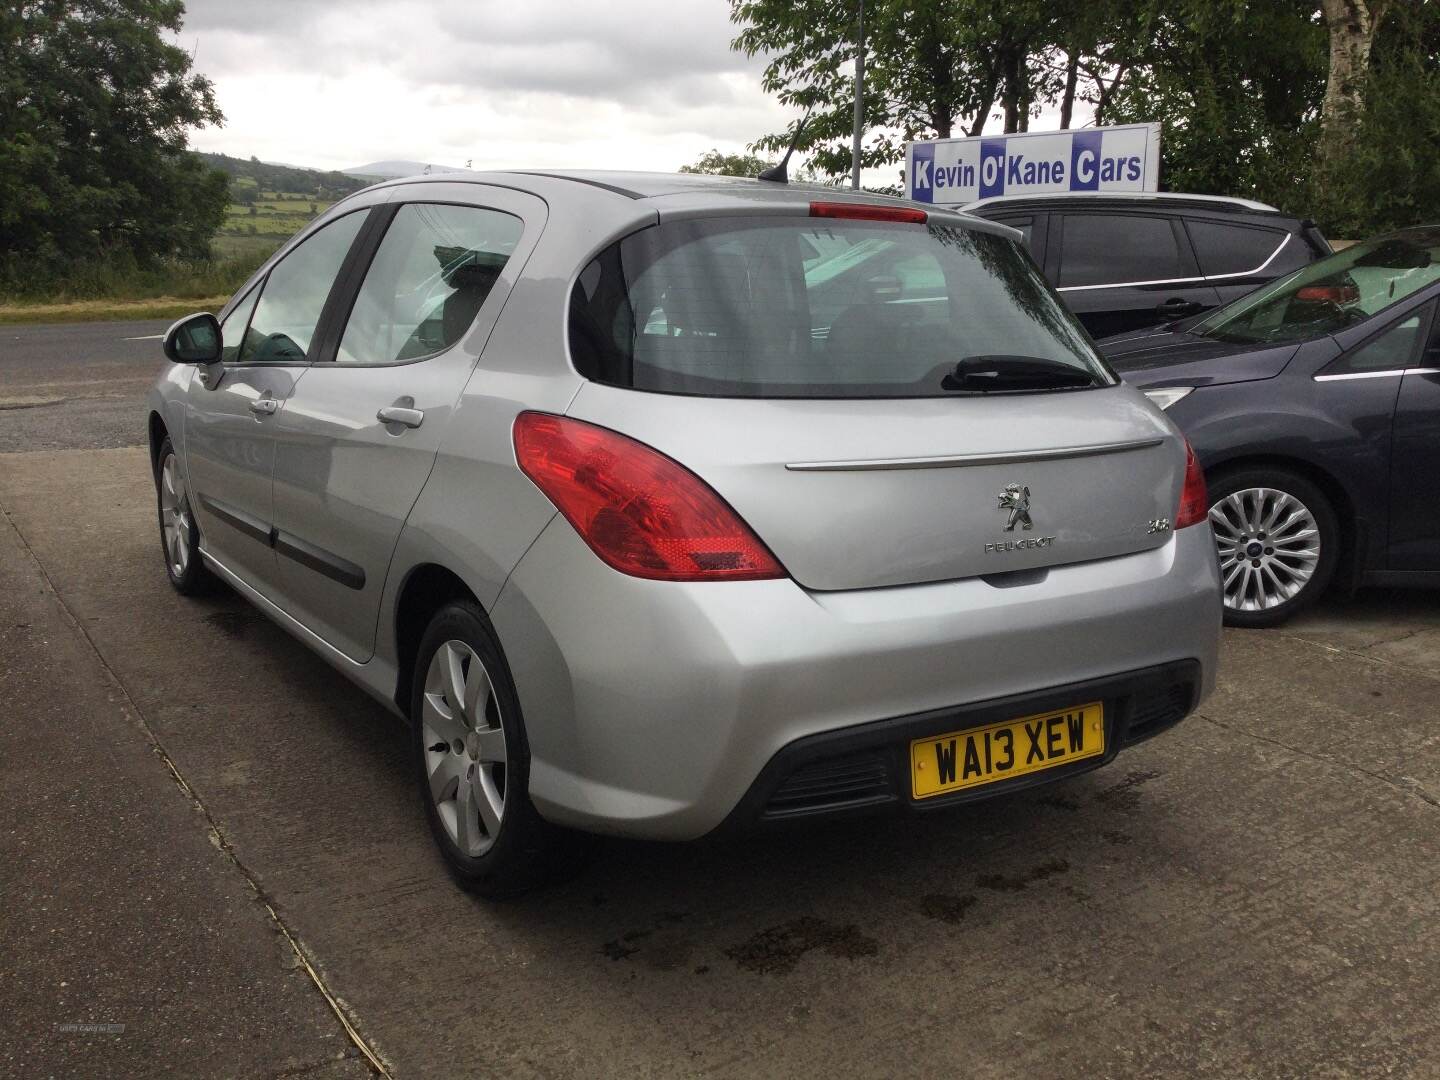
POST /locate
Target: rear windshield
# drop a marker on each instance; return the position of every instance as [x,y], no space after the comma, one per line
[1327,296]
[780,307]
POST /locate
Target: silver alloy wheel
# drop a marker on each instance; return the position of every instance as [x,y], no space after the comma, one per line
[1269,547]
[174,515]
[464,747]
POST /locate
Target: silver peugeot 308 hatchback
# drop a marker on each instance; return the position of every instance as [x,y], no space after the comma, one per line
[661,504]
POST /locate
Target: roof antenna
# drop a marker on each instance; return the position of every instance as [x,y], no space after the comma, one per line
[779,174]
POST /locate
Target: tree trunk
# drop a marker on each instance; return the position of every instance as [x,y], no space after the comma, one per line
[1012,94]
[1352,25]
[982,113]
[1067,101]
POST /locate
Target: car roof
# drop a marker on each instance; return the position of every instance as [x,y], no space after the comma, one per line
[682,194]
[1121,198]
[628,184]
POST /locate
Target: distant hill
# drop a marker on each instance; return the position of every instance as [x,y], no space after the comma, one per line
[386,170]
[263,176]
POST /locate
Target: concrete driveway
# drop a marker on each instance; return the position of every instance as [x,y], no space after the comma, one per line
[210,840]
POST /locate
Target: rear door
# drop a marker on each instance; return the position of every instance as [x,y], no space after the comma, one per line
[791,366]
[1415,451]
[1124,271]
[359,436]
[232,412]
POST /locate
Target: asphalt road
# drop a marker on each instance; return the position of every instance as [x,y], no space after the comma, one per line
[209,838]
[76,385]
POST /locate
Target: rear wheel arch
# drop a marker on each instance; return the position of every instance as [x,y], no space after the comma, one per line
[427,588]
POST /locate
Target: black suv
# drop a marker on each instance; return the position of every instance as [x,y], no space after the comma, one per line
[1123,262]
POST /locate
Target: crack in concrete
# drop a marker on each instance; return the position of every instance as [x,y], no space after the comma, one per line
[1405,785]
[217,837]
[1361,654]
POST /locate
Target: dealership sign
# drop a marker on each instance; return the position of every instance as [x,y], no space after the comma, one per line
[952,172]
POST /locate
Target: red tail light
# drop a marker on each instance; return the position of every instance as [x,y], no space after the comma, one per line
[1194,499]
[868,212]
[641,512]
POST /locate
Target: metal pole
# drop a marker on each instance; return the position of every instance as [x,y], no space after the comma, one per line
[859,96]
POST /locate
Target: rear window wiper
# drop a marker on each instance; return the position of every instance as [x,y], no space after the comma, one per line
[1001,372]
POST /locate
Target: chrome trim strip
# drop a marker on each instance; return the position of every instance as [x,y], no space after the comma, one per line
[961,461]
[1182,280]
[1388,373]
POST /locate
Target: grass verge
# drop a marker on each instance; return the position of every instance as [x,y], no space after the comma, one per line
[157,307]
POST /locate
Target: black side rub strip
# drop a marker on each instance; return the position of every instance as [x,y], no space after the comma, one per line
[320,560]
[292,547]
[252,527]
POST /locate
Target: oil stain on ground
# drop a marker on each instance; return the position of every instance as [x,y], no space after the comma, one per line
[777,950]
[234,624]
[1001,883]
[1123,795]
[946,909]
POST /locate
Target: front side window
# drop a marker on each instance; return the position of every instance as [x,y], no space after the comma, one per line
[1113,249]
[232,330]
[294,294]
[779,307]
[433,270]
[1393,350]
[1343,290]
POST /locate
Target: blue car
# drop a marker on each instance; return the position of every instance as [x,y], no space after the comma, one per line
[1313,405]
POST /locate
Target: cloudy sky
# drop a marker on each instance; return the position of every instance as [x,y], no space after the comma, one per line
[648,84]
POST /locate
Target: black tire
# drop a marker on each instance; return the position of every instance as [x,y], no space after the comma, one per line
[1327,523]
[526,851]
[183,565]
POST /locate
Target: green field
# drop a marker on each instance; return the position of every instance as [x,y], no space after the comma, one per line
[264,220]
[257,222]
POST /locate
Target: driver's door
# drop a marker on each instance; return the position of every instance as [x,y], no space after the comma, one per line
[231,411]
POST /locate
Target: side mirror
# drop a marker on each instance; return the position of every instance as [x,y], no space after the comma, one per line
[195,339]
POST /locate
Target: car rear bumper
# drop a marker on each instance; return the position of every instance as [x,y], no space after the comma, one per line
[867,767]
[664,709]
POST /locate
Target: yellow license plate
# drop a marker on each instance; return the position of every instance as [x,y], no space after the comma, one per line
[987,755]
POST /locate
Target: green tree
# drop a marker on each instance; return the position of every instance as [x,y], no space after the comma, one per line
[1236,87]
[1388,176]
[719,164]
[934,68]
[95,104]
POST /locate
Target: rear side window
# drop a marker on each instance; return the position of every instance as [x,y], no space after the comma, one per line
[1026,225]
[1114,249]
[433,270]
[777,307]
[1232,249]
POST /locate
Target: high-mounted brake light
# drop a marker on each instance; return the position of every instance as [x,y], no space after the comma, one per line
[868,212]
[1332,294]
[1194,499]
[643,513]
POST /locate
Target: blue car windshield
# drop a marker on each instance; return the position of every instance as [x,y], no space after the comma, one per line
[1342,290]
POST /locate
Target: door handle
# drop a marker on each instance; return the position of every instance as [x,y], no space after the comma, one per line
[1177,308]
[394,414]
[264,406]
